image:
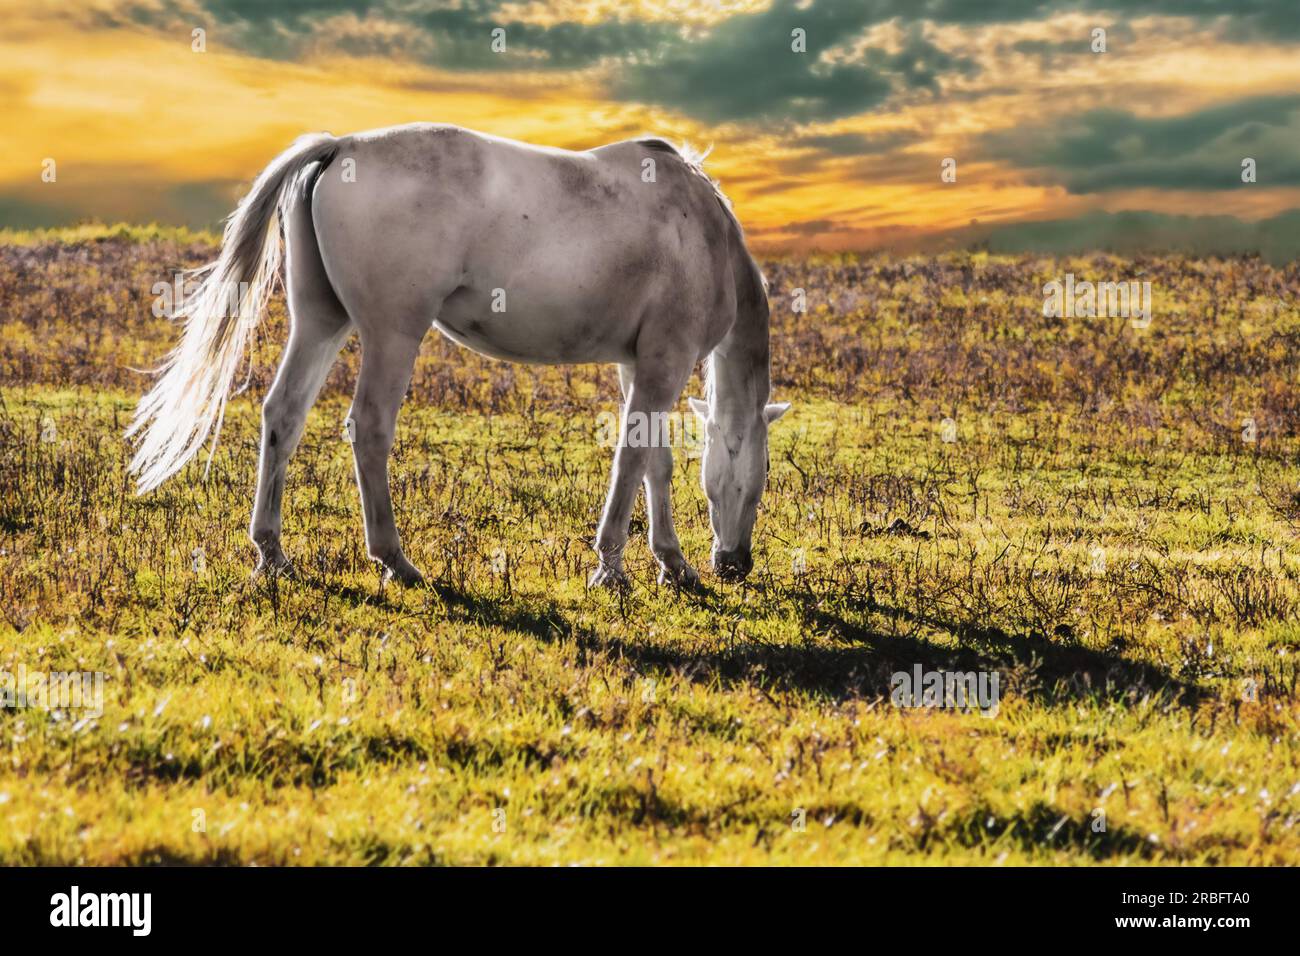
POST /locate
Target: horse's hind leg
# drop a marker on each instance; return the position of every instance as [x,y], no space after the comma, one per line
[318,327]
[387,361]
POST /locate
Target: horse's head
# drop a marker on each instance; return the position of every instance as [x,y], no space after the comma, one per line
[733,471]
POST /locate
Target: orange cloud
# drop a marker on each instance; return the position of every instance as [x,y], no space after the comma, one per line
[136,114]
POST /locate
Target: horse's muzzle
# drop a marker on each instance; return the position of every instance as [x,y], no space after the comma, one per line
[733,565]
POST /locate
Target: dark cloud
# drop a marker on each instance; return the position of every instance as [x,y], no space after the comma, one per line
[462,41]
[813,227]
[1276,239]
[744,68]
[1052,53]
[110,194]
[919,63]
[20,212]
[1112,149]
[859,144]
[453,35]
[741,69]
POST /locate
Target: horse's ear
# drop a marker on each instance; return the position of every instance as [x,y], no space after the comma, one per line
[700,407]
[775,411]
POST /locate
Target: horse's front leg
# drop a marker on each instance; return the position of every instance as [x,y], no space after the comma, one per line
[673,566]
[654,390]
[667,549]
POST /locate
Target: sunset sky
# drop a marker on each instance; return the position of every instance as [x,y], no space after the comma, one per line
[836,147]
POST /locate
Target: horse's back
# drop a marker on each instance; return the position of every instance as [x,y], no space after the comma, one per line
[525,252]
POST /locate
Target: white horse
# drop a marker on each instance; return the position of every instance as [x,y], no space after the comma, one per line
[627,254]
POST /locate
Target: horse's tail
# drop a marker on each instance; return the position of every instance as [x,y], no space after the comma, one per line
[188,401]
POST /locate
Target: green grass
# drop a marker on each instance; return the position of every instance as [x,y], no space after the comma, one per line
[1096,525]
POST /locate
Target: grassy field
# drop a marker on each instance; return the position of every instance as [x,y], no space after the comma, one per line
[1105,530]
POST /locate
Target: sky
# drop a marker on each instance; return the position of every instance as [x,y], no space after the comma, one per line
[829,120]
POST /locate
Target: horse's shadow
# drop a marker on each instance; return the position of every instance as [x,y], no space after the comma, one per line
[862,661]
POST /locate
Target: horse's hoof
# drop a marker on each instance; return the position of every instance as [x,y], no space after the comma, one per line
[277,567]
[609,577]
[681,576]
[403,572]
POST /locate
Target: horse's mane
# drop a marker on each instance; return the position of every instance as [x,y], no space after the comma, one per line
[694,161]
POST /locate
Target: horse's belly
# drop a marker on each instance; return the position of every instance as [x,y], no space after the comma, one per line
[519,324]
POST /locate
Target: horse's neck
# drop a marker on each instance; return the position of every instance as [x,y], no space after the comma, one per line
[739,368]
